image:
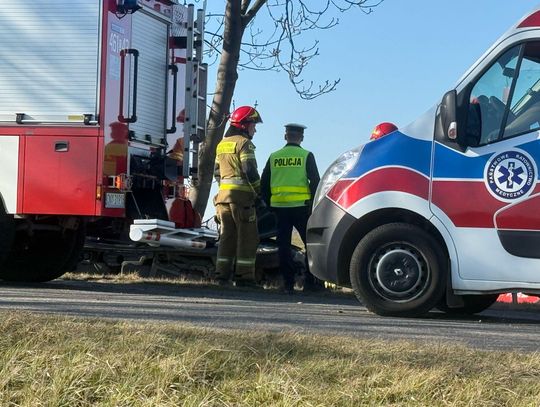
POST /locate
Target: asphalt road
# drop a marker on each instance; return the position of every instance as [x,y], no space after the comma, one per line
[250,309]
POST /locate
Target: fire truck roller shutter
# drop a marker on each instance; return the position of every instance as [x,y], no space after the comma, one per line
[49,59]
[150,36]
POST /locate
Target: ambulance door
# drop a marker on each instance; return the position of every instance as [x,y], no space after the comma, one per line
[485,186]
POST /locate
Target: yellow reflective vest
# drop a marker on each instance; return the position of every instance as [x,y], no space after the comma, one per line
[289,184]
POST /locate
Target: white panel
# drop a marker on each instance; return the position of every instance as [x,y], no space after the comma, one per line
[9,157]
[422,127]
[482,257]
[49,58]
[150,37]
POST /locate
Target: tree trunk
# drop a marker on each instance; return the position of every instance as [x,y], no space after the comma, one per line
[226,81]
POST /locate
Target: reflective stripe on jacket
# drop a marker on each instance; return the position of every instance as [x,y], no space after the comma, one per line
[289,184]
[234,155]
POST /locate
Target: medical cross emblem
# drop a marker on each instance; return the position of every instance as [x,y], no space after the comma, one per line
[510,175]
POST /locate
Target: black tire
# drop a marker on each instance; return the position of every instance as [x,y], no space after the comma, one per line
[473,304]
[398,269]
[76,253]
[268,268]
[42,256]
[7,234]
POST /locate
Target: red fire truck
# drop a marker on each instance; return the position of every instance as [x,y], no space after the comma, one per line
[102,108]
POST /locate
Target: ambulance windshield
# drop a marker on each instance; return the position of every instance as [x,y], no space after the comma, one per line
[505,101]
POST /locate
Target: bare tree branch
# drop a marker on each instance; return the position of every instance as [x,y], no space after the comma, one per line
[281,49]
[245,6]
[249,15]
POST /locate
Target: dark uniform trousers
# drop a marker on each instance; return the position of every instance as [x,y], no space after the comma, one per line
[238,241]
[287,218]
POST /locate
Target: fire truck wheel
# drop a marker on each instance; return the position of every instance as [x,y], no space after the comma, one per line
[398,270]
[7,228]
[44,256]
[472,304]
[79,237]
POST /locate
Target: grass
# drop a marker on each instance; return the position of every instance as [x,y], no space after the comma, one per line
[55,361]
[128,278]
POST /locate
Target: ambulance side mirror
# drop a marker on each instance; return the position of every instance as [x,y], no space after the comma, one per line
[448,112]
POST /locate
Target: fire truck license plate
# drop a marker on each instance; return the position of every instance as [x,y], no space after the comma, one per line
[115,200]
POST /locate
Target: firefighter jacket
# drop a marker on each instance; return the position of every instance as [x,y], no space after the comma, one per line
[236,171]
[290,177]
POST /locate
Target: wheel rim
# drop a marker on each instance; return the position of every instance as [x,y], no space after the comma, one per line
[399,272]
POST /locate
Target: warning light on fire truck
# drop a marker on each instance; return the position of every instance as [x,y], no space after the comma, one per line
[127,6]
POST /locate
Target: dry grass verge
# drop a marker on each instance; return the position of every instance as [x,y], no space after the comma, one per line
[128,278]
[55,361]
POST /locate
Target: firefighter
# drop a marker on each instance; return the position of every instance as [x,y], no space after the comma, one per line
[288,184]
[239,191]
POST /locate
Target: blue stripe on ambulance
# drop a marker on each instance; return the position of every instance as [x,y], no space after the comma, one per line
[453,164]
[396,149]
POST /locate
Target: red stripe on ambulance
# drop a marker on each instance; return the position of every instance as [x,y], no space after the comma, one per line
[522,216]
[385,179]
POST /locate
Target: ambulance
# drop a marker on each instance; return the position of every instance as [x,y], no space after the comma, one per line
[445,212]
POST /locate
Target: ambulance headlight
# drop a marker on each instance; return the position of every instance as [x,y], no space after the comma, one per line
[338,169]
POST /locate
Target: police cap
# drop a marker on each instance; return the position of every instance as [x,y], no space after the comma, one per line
[295,128]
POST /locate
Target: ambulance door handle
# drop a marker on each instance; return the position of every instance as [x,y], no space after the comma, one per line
[123,53]
[174,70]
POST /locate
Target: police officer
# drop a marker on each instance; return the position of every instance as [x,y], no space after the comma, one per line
[239,188]
[288,184]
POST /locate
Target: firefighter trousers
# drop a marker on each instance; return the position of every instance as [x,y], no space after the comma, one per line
[238,241]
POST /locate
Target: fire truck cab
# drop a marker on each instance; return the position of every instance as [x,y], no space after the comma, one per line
[93,100]
[445,211]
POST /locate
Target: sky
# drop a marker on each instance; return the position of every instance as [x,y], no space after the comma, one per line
[394,64]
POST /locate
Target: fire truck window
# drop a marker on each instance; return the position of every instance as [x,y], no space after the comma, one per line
[490,94]
[524,115]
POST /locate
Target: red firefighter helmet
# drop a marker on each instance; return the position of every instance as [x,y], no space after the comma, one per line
[382,129]
[244,115]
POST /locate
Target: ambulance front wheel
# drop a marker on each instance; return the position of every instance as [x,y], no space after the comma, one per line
[398,269]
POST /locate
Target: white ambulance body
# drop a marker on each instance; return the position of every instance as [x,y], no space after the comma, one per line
[444,212]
